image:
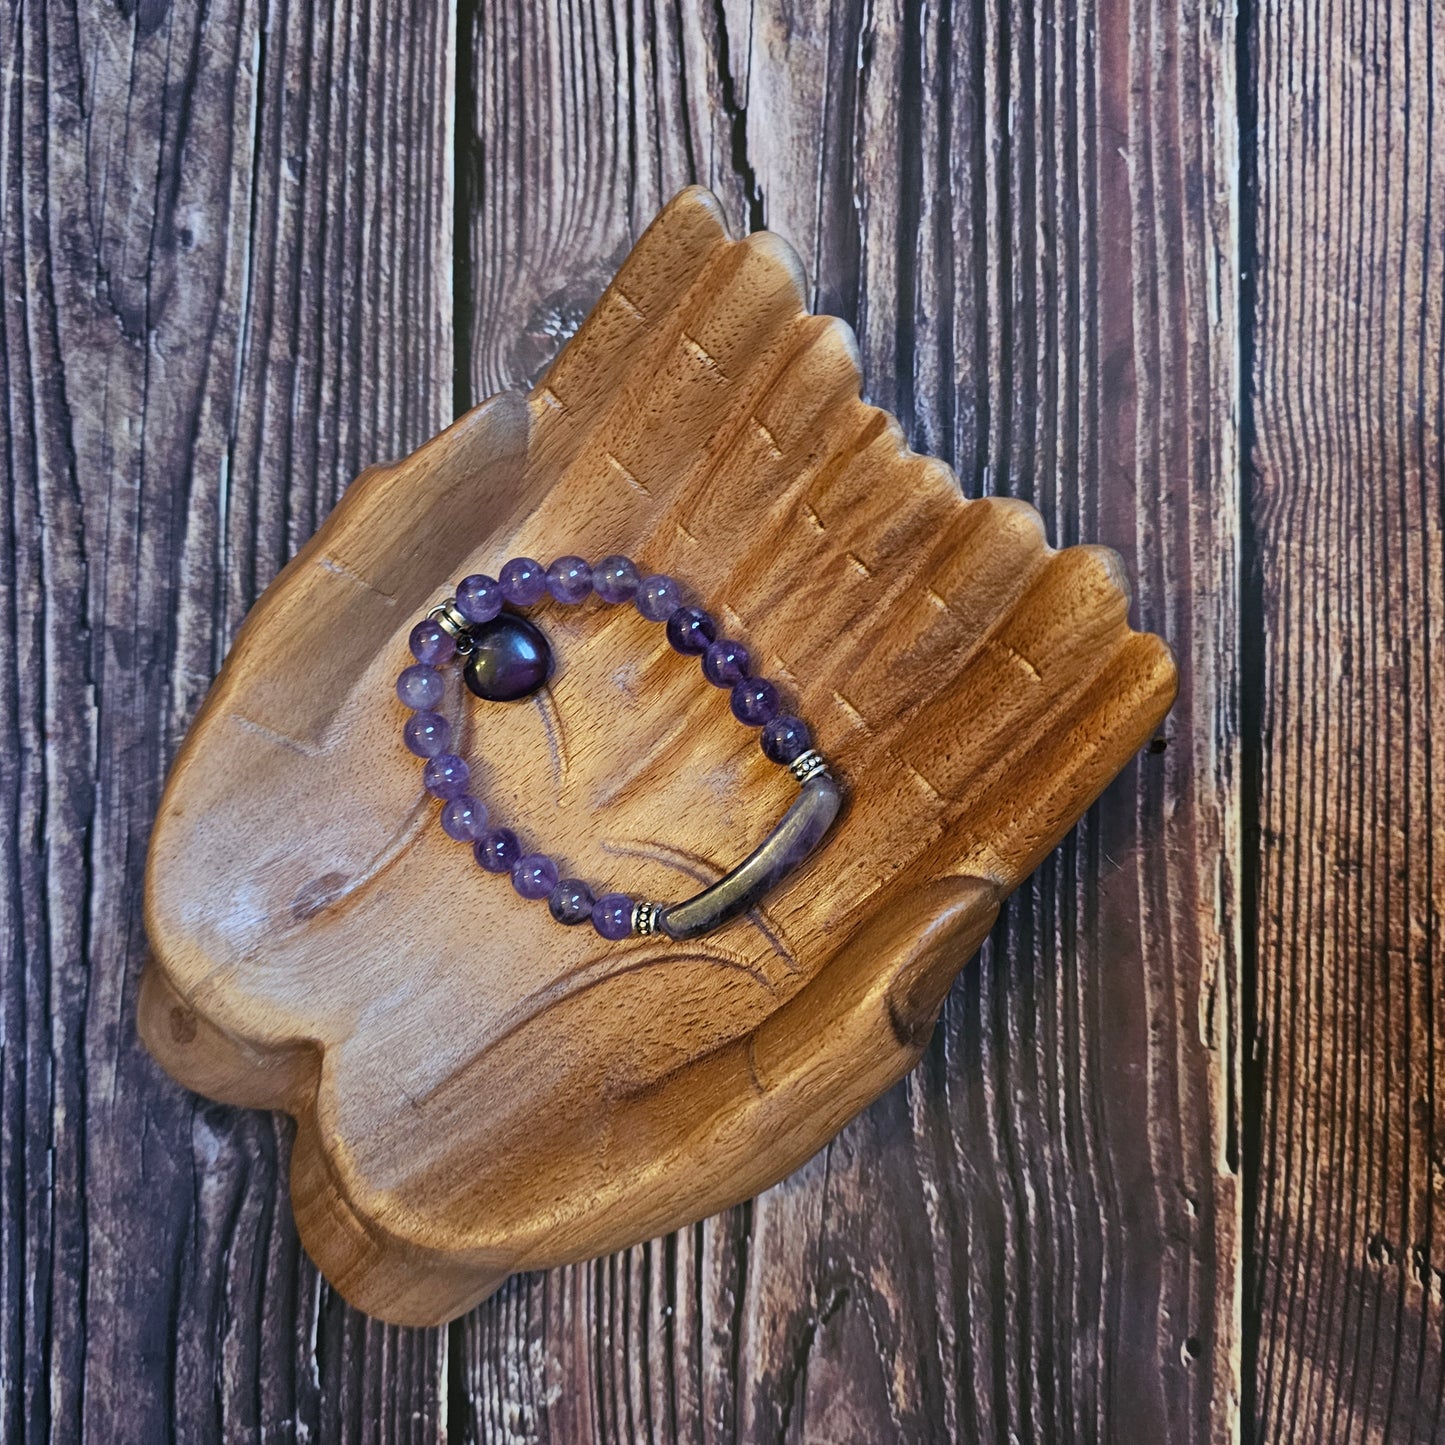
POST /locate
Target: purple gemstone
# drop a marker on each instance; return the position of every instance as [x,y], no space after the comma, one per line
[431,644]
[612,915]
[534,876]
[658,597]
[571,901]
[427,734]
[690,630]
[464,818]
[420,686]
[569,580]
[523,581]
[785,737]
[497,849]
[616,578]
[510,658]
[446,776]
[754,701]
[479,597]
[725,662]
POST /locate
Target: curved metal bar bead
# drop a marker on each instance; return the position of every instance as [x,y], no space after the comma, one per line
[799,832]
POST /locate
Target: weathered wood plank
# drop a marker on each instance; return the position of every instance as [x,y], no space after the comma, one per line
[1344,655]
[1027,213]
[225,266]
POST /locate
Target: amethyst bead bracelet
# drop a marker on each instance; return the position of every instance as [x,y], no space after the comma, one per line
[508,657]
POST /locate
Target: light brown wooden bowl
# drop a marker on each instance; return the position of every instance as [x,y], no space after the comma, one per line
[478,1090]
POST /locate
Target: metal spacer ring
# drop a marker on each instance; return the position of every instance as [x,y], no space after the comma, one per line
[645,917]
[446,616]
[808,765]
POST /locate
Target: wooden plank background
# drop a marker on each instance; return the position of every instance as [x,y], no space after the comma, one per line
[1343,706]
[1172,1169]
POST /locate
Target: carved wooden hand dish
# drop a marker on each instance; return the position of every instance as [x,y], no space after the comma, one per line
[478,1089]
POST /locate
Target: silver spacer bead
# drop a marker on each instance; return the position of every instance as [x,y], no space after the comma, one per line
[808,765]
[446,616]
[644,917]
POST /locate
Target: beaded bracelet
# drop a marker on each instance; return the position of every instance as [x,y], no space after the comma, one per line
[508,658]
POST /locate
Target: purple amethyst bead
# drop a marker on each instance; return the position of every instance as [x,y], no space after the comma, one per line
[430,644]
[612,915]
[446,776]
[523,581]
[571,901]
[755,701]
[616,578]
[420,686]
[479,597]
[690,630]
[534,876]
[464,818]
[497,850]
[658,597]
[427,734]
[569,580]
[785,737]
[726,662]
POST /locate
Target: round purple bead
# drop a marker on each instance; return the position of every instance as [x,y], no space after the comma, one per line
[569,580]
[479,597]
[658,597]
[427,734]
[431,644]
[612,915]
[754,701]
[534,876]
[690,630]
[571,901]
[523,581]
[725,662]
[464,818]
[616,578]
[446,776]
[420,686]
[785,737]
[497,850]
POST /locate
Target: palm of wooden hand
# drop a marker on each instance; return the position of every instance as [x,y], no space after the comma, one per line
[478,1089]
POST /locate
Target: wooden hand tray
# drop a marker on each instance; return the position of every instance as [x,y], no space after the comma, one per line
[477,1089]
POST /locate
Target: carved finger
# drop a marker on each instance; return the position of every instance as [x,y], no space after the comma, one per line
[642,298]
[1022,675]
[1067,759]
[685,379]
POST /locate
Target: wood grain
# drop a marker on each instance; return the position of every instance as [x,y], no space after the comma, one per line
[226,286]
[1346,1296]
[1027,214]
